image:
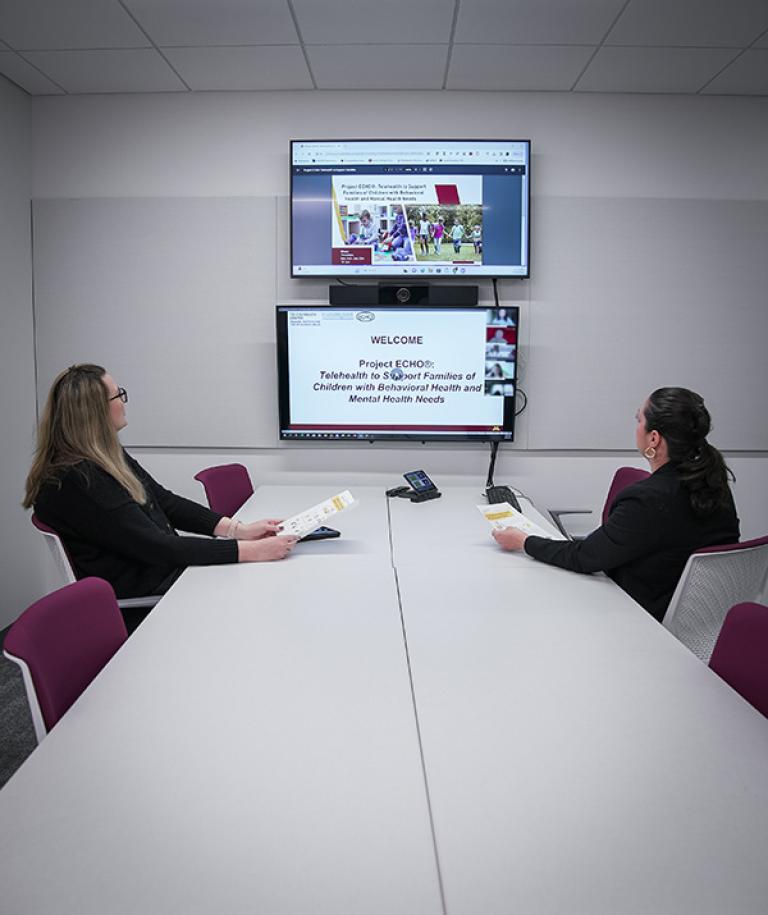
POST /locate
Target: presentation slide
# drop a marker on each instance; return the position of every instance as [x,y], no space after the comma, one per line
[385,368]
[384,220]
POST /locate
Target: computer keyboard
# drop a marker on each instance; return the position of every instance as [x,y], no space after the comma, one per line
[495,494]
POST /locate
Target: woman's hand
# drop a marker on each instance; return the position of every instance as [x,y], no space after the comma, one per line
[265,550]
[258,530]
[510,538]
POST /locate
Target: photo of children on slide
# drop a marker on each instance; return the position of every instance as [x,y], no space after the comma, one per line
[425,234]
[382,227]
[447,234]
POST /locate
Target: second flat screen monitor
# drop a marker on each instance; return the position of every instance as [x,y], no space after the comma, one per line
[425,373]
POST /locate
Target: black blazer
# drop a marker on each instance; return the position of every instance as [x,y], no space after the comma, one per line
[134,547]
[646,540]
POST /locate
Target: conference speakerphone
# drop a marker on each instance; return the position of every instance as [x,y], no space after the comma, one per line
[420,488]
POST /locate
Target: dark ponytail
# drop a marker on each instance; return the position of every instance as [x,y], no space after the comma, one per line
[680,417]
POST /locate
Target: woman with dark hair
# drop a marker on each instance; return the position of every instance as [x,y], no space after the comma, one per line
[653,526]
[116,521]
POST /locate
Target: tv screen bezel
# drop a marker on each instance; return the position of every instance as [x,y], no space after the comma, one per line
[283,387]
[395,277]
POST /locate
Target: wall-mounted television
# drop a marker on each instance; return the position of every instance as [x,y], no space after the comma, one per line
[397,208]
[402,372]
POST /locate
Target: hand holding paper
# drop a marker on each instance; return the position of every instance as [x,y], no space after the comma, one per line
[510,538]
[318,515]
[510,527]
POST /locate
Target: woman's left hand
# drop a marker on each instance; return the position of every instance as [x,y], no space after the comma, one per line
[510,538]
[258,530]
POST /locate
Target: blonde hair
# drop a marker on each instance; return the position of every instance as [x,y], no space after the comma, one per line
[76,426]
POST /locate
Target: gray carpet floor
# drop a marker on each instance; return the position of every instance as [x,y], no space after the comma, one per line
[17,736]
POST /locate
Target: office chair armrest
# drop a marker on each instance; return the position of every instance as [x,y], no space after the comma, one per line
[555,514]
[138,603]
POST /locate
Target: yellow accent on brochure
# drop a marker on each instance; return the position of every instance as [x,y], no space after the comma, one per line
[496,515]
[502,515]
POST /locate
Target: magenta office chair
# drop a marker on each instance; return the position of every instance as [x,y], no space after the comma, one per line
[740,655]
[60,643]
[713,580]
[227,487]
[623,477]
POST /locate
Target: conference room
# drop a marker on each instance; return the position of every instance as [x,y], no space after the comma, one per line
[406,717]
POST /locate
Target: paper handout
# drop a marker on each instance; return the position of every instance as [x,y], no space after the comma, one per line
[318,515]
[501,515]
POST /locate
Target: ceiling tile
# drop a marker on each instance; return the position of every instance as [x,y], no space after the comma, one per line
[120,70]
[253,68]
[25,76]
[653,69]
[690,23]
[189,23]
[516,67]
[747,75]
[378,66]
[374,21]
[50,24]
[534,22]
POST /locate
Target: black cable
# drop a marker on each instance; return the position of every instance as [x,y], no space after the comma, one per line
[492,465]
[522,393]
[495,282]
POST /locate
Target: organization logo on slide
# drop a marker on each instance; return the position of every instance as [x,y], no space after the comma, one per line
[365,316]
[396,374]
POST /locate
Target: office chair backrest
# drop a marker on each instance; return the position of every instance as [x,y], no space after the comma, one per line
[61,642]
[623,477]
[713,580]
[227,487]
[131,605]
[58,551]
[740,655]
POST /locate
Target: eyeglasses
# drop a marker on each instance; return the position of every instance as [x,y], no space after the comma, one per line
[122,394]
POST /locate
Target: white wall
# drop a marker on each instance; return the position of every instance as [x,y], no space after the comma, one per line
[584,146]
[20,579]
[236,144]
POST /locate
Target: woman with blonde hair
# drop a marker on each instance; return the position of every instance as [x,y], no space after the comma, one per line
[115,520]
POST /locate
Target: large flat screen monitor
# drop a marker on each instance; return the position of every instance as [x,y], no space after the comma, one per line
[396,208]
[407,372]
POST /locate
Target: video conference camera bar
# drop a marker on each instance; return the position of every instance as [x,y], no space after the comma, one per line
[402,294]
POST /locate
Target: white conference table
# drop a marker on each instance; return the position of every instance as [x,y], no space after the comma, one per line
[579,759]
[465,731]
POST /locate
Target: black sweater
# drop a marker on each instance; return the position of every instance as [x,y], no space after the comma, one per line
[134,547]
[646,540]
